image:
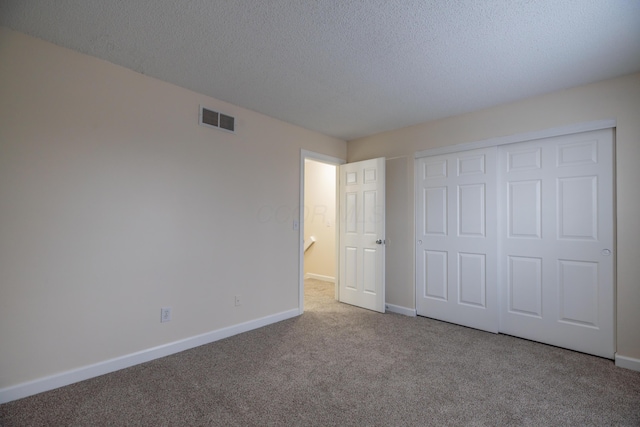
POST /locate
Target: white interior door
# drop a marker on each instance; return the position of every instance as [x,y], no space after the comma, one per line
[362,228]
[556,241]
[456,260]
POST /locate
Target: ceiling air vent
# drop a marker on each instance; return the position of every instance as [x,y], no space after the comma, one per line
[217,120]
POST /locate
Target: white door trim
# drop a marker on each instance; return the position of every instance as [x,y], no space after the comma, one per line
[520,137]
[311,155]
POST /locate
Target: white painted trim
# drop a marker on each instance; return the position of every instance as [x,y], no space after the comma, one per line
[318,157]
[320,277]
[398,309]
[305,154]
[628,363]
[80,374]
[521,137]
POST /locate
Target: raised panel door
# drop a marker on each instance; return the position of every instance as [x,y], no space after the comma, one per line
[557,242]
[362,227]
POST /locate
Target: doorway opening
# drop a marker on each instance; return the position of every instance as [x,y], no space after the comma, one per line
[318,221]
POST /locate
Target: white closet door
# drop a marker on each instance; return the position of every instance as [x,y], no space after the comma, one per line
[456,260]
[556,241]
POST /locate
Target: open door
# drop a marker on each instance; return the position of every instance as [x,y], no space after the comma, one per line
[334,161]
[362,234]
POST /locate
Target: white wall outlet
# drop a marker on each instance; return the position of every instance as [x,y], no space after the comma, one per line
[238,300]
[165,314]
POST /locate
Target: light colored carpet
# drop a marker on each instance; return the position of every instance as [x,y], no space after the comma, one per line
[339,365]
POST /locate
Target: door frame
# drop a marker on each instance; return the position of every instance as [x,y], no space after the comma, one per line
[335,161]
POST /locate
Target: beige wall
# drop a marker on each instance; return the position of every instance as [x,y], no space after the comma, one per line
[613,99]
[320,218]
[114,203]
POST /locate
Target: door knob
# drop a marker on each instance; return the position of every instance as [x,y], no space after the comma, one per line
[379,241]
[606,252]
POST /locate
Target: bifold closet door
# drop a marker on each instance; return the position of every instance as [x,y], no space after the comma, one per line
[456,259]
[556,241]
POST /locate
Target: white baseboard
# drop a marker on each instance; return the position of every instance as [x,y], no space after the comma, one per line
[320,277]
[80,374]
[628,363]
[401,310]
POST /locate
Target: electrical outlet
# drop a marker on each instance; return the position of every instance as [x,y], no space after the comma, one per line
[165,314]
[238,300]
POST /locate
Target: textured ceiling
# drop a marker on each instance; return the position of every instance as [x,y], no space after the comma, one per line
[350,68]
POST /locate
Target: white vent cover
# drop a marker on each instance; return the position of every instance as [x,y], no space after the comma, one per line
[217,120]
